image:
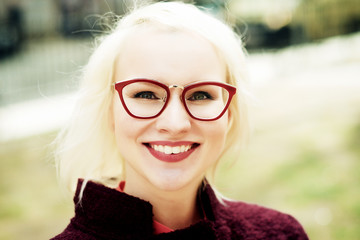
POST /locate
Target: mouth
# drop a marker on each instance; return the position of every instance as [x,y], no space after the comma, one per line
[171,152]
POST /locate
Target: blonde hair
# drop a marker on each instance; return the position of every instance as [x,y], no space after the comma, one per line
[86,146]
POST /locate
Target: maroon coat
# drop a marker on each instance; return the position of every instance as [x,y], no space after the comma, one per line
[105,213]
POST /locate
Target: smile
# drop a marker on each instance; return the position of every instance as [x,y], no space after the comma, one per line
[171,152]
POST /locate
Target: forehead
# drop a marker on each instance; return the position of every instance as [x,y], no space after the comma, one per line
[170,56]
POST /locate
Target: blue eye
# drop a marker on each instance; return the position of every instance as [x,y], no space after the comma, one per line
[200,95]
[145,95]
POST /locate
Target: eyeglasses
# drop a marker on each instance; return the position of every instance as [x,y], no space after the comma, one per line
[145,98]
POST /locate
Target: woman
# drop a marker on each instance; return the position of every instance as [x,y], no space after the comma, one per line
[161,100]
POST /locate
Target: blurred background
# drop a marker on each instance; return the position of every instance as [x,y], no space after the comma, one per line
[304,65]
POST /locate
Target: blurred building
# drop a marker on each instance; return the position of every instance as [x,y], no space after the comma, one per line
[46,17]
[11,26]
[40,48]
[326,18]
[314,18]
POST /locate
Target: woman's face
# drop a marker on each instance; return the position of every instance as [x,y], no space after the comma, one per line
[171,57]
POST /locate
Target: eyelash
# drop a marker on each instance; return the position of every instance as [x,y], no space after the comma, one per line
[139,94]
[207,95]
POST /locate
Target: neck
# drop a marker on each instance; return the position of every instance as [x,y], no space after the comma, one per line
[174,209]
[177,213]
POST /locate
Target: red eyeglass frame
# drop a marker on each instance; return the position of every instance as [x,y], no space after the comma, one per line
[119,86]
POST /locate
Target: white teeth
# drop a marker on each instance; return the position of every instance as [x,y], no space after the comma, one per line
[182,148]
[176,150]
[168,150]
[171,150]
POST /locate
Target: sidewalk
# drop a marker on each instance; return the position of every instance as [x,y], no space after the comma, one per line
[34,117]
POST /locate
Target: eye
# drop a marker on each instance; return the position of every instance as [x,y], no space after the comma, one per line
[146,95]
[200,95]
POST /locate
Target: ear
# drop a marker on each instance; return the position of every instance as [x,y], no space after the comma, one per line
[229,115]
[229,120]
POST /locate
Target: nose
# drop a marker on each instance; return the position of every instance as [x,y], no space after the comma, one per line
[174,120]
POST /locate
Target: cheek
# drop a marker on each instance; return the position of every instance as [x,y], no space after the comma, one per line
[127,129]
[121,122]
[217,134]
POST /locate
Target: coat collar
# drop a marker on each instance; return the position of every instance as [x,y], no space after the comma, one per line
[111,214]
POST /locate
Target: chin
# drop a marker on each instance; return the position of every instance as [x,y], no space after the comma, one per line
[174,180]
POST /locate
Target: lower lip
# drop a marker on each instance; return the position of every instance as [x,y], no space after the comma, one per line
[170,157]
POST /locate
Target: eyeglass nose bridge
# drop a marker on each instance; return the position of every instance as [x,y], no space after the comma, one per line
[176,86]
